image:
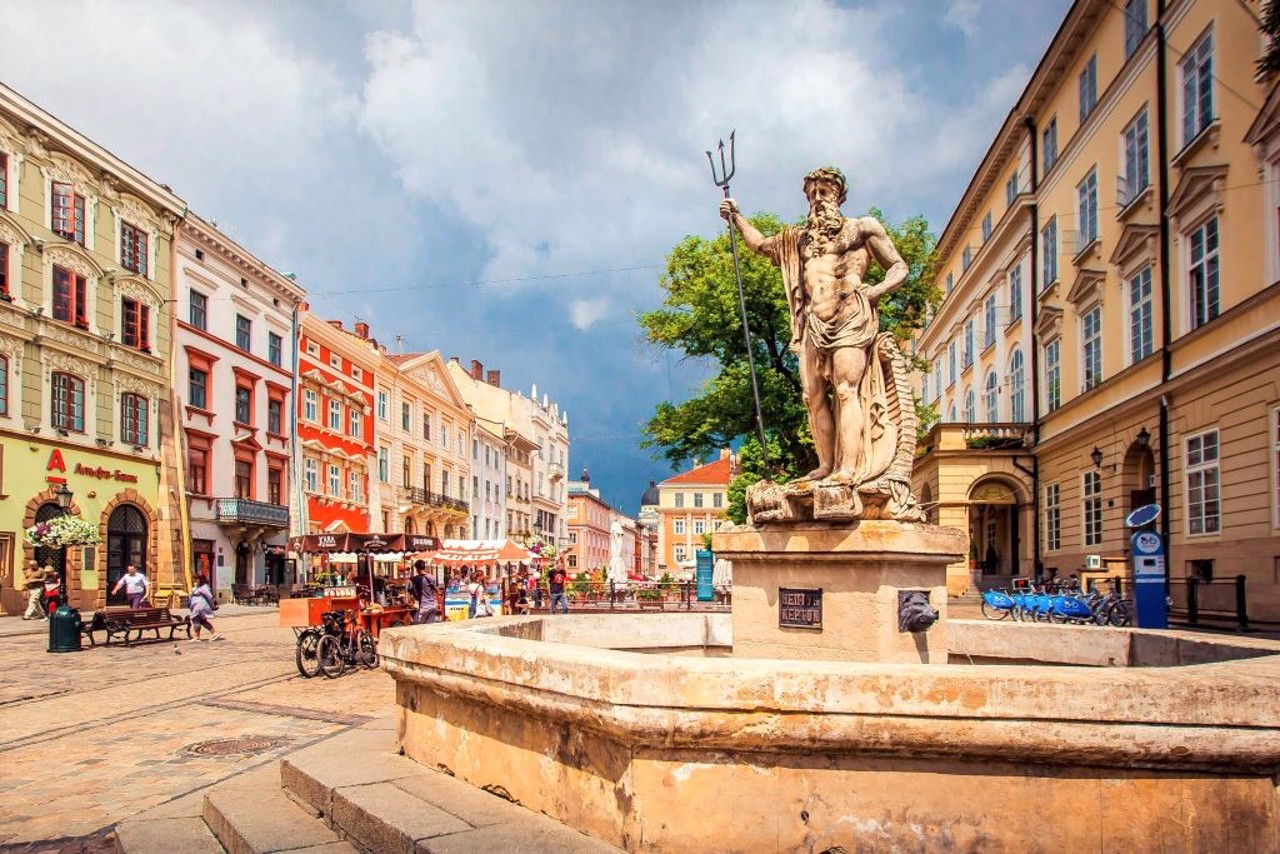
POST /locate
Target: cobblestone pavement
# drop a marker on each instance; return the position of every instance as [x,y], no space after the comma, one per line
[90,738]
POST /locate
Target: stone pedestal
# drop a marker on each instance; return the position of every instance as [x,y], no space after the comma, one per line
[860,568]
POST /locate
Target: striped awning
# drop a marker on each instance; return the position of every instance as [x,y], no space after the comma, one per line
[481,552]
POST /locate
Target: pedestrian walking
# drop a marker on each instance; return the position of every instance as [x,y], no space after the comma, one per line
[535,585]
[475,590]
[34,584]
[51,592]
[202,605]
[424,590]
[135,586]
[556,584]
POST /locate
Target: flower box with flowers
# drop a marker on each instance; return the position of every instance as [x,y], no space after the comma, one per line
[63,532]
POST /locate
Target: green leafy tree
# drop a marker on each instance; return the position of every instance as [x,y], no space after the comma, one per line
[700,319]
[1269,63]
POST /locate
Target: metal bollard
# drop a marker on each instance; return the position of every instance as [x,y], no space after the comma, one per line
[1242,612]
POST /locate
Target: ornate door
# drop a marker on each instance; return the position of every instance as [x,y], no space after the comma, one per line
[126,544]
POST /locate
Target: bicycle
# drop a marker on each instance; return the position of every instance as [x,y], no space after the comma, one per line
[343,645]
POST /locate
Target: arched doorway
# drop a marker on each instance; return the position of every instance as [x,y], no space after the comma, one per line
[1139,475]
[126,544]
[45,556]
[995,529]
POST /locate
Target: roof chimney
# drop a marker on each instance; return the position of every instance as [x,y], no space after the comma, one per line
[495,378]
[304,306]
[336,324]
[362,329]
[725,453]
[477,370]
[454,359]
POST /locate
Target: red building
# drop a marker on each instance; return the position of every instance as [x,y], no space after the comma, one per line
[335,426]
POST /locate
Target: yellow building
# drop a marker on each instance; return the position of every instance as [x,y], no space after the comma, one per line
[690,505]
[1109,333]
[85,385]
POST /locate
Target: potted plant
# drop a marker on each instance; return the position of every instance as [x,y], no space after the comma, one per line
[649,598]
[63,532]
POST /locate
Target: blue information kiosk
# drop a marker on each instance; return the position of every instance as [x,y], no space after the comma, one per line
[705,566]
[1149,585]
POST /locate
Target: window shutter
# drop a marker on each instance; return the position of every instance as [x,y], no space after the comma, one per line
[144,327]
[81,300]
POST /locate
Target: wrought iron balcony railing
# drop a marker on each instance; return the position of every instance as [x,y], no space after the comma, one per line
[245,511]
[427,498]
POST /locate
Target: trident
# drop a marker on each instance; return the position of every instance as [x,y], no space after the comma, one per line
[722,181]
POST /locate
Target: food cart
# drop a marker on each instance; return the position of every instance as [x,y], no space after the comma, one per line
[498,559]
[356,599]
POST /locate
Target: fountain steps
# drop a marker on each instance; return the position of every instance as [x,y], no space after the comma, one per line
[347,794]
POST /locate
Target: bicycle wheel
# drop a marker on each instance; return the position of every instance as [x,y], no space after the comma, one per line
[1118,614]
[305,657]
[992,613]
[366,650]
[329,654]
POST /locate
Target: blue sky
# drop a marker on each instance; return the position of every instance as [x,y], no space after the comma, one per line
[502,180]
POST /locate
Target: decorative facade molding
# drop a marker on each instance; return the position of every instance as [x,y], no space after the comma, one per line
[70,256]
[64,169]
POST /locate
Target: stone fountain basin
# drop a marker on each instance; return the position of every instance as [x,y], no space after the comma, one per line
[1143,738]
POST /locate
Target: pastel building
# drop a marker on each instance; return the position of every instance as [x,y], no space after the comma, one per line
[690,505]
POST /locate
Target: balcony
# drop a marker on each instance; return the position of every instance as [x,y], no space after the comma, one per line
[555,471]
[243,511]
[956,436]
[427,498]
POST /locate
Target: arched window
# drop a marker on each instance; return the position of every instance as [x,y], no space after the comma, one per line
[68,402]
[4,385]
[133,419]
[951,414]
[969,414]
[1016,380]
[992,411]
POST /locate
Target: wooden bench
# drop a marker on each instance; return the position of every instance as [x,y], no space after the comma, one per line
[124,622]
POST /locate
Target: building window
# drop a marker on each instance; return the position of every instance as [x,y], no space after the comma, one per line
[244,405]
[198,310]
[1052,518]
[966,258]
[1049,253]
[383,406]
[1015,293]
[275,485]
[1088,87]
[989,401]
[311,475]
[274,411]
[951,363]
[951,282]
[384,465]
[133,249]
[310,405]
[717,499]
[335,415]
[1204,273]
[356,373]
[244,478]
[970,413]
[1087,209]
[1011,189]
[133,419]
[986,227]
[678,552]
[353,422]
[4,385]
[426,427]
[679,526]
[68,402]
[444,436]
[1050,146]
[968,344]
[1091,333]
[4,180]
[1197,88]
[1140,330]
[699,527]
[275,349]
[1137,159]
[1052,375]
[135,324]
[353,486]
[1135,25]
[679,499]
[1202,484]
[313,349]
[1016,382]
[198,388]
[406,416]
[406,469]
[1092,508]
[335,481]
[4,269]
[70,298]
[244,332]
[989,322]
[697,499]
[951,414]
[68,212]
[198,470]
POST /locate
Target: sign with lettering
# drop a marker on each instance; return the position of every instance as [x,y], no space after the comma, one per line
[800,607]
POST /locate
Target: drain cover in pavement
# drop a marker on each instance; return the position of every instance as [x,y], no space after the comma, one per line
[244,745]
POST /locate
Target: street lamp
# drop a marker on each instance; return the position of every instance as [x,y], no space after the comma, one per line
[64,498]
[1096,456]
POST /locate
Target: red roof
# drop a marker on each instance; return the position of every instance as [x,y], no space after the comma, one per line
[719,472]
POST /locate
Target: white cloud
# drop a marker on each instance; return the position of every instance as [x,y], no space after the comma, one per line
[585,313]
[963,15]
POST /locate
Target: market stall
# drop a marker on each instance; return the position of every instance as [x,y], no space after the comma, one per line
[497,559]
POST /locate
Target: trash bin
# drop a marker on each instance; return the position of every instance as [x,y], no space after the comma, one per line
[64,629]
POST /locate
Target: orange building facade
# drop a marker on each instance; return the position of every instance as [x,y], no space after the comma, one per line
[690,505]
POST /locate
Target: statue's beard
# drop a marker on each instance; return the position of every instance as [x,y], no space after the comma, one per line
[825,220]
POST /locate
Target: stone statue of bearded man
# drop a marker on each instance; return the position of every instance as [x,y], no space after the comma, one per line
[854,378]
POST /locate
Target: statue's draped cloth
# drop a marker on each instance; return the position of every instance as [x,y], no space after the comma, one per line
[857,328]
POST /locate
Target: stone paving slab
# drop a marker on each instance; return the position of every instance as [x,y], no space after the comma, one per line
[171,835]
[252,814]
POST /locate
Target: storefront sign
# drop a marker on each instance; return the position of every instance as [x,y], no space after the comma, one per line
[57,463]
[800,608]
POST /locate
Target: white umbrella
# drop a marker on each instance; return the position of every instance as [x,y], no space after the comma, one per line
[722,574]
[617,564]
